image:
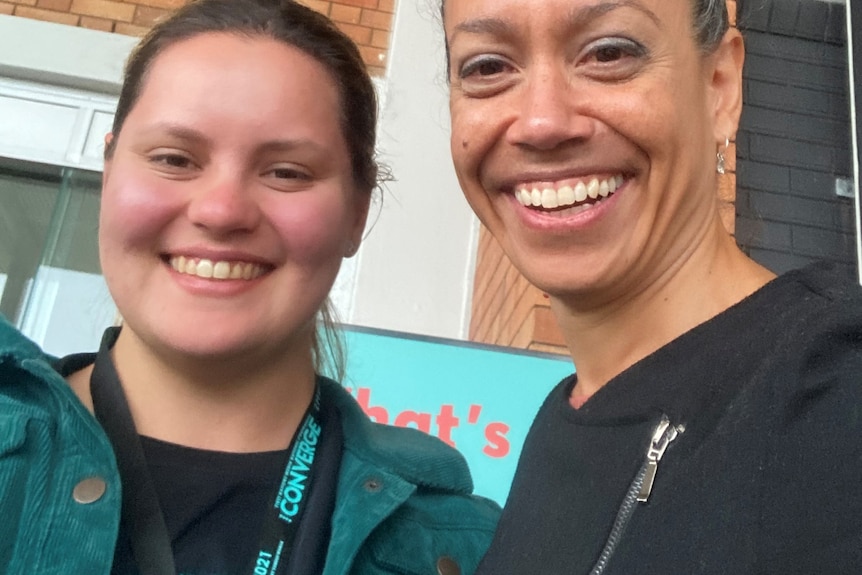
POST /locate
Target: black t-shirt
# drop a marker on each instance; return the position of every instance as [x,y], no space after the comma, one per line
[214,503]
[764,479]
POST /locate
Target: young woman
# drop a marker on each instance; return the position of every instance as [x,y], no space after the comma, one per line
[237,176]
[714,424]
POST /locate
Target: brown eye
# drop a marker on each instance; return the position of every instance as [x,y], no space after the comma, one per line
[288,174]
[609,54]
[610,50]
[176,161]
[613,59]
[485,75]
[173,161]
[287,177]
[483,67]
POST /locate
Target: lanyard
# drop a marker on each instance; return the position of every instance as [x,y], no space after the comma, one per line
[141,512]
[282,520]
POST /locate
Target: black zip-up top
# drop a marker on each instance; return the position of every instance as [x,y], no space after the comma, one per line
[735,449]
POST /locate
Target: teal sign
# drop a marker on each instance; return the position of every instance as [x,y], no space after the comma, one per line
[479,399]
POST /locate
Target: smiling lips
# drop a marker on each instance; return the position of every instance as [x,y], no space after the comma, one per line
[550,198]
[219,270]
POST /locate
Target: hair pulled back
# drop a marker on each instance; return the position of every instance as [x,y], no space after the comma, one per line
[284,21]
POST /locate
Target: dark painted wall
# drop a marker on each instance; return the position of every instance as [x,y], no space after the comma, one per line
[794,138]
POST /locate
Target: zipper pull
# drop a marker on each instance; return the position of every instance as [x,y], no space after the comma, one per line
[663,435]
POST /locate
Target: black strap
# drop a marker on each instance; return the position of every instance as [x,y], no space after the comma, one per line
[141,512]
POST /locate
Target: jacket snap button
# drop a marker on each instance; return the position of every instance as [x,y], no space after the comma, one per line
[447,566]
[373,485]
[89,490]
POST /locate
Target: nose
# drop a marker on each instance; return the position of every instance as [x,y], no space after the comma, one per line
[224,204]
[548,113]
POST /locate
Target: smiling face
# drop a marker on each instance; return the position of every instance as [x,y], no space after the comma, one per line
[584,134]
[229,202]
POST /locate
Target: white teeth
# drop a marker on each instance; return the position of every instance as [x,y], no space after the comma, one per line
[536,197]
[566,196]
[205,269]
[580,192]
[550,198]
[220,270]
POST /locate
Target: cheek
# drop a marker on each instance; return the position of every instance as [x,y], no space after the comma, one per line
[134,210]
[470,134]
[645,119]
[313,231]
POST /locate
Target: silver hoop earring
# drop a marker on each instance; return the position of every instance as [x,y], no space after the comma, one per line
[351,250]
[721,160]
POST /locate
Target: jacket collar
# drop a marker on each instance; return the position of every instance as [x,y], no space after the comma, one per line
[14,344]
[408,453]
[19,351]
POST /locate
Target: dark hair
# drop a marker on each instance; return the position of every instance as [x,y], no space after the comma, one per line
[710,18]
[284,21]
[300,27]
[711,22]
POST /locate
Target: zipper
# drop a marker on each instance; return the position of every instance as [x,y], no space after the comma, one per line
[640,489]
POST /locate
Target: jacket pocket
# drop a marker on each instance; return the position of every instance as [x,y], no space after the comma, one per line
[13,433]
[19,482]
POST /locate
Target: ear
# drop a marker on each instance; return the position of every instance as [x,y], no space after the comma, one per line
[109,137]
[726,85]
[361,207]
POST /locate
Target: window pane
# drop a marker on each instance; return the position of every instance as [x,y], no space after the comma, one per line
[53,289]
[27,198]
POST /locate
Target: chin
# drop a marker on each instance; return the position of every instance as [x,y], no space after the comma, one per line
[565,274]
[210,347]
[199,340]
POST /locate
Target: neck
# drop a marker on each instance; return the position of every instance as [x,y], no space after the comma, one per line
[607,339]
[236,405]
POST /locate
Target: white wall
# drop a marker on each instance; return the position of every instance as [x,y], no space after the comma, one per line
[62,55]
[414,270]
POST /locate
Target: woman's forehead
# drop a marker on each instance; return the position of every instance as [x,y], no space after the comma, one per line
[457,10]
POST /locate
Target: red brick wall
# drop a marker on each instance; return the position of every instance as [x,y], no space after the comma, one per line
[508,311]
[368,22]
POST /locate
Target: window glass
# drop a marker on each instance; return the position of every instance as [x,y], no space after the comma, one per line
[50,280]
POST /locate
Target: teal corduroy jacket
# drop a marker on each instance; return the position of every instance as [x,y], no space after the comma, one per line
[403,505]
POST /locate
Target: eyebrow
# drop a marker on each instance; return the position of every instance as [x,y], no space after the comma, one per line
[177,131]
[188,134]
[588,13]
[577,17]
[288,145]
